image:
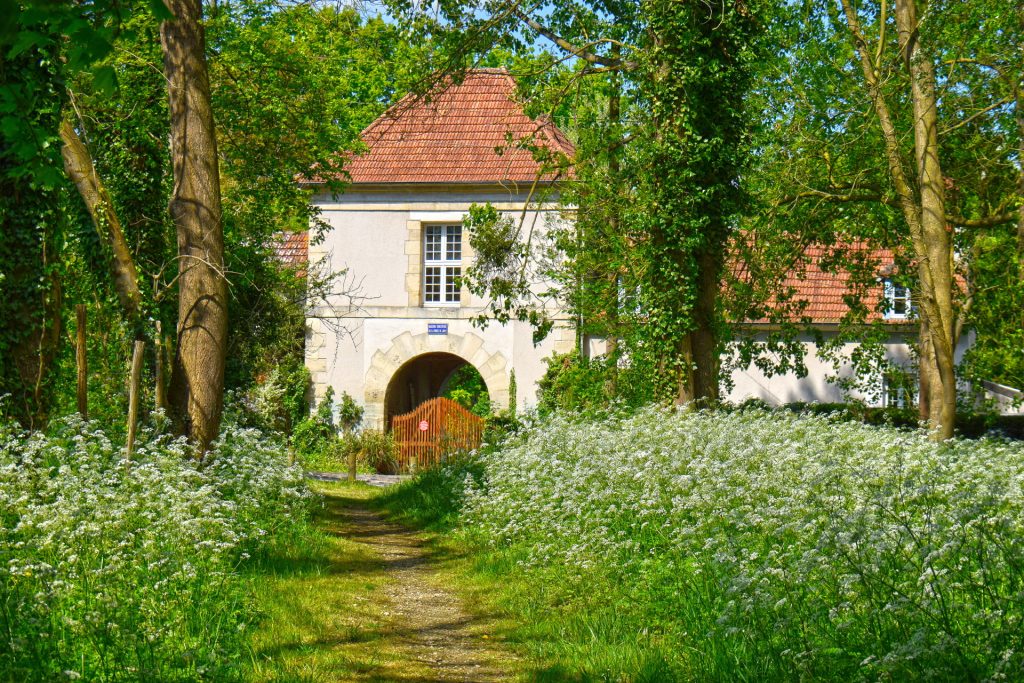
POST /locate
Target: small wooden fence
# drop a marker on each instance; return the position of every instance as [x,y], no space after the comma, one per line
[433,430]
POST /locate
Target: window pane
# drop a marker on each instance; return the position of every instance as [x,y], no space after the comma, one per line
[451,287]
[453,251]
[432,284]
[899,301]
[432,243]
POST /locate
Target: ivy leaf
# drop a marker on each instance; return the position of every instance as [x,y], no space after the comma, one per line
[105,79]
[160,10]
[26,40]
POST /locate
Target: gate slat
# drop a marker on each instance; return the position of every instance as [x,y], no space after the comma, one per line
[450,427]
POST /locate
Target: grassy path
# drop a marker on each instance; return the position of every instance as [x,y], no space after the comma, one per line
[365,599]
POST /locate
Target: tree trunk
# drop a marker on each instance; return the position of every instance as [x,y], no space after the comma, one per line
[82,361]
[705,339]
[197,382]
[1019,103]
[921,201]
[80,168]
[614,174]
[936,258]
[925,366]
[685,385]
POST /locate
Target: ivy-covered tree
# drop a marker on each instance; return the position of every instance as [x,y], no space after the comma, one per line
[40,43]
[674,77]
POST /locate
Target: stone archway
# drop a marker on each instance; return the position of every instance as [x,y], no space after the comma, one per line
[469,347]
[418,380]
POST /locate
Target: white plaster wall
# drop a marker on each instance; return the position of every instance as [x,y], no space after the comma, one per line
[529,360]
[370,246]
[750,382]
[368,233]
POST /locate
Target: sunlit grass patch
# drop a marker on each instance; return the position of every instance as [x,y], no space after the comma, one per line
[323,612]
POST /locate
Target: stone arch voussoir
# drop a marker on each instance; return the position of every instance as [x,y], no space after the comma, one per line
[492,365]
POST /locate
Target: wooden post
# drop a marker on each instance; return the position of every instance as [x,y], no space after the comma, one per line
[351,459]
[133,395]
[161,388]
[83,363]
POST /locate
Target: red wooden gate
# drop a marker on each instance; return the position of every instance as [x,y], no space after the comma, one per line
[436,428]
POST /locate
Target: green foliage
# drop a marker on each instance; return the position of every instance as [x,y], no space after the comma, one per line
[335,70]
[821,176]
[316,433]
[379,451]
[278,400]
[655,93]
[115,569]
[292,88]
[350,413]
[32,225]
[466,387]
[582,385]
[513,393]
[433,498]
[996,318]
[573,383]
[504,267]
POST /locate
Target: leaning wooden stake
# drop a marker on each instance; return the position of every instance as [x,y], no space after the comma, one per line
[351,463]
[133,396]
[83,364]
[161,388]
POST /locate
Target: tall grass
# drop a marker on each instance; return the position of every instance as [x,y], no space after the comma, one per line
[748,546]
[116,570]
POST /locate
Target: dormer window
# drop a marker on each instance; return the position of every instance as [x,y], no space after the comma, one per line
[897,301]
[442,265]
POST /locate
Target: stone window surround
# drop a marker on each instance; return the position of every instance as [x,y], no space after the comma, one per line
[414,254]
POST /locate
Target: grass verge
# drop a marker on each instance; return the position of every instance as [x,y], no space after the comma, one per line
[573,626]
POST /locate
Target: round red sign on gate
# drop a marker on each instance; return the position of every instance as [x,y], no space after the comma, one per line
[424,425]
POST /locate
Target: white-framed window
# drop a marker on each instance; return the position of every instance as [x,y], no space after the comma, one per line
[442,264]
[898,304]
[897,391]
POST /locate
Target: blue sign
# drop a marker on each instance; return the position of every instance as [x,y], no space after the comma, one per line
[437,328]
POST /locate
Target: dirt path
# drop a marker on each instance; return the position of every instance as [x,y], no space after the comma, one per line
[429,625]
[361,599]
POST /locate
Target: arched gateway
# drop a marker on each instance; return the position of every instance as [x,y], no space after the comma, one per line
[416,367]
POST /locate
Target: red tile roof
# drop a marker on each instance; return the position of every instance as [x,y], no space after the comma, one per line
[818,291]
[469,132]
[292,249]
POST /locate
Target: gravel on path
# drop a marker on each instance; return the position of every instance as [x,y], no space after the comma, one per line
[381,480]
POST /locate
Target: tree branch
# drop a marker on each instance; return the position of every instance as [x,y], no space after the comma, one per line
[80,169]
[583,53]
[980,112]
[839,194]
[983,222]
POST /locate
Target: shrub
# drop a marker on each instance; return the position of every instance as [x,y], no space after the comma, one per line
[350,413]
[117,570]
[379,451]
[317,433]
[466,387]
[769,546]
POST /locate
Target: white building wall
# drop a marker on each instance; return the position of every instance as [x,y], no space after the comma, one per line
[356,345]
[751,383]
